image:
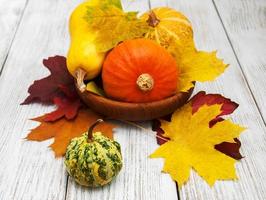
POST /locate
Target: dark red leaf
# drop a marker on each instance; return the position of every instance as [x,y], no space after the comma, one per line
[65,108]
[70,91]
[156,126]
[202,98]
[230,149]
[46,89]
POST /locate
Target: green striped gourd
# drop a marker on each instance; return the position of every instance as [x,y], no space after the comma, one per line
[93,161]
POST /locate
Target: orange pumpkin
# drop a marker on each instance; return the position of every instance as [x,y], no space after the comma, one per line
[139,70]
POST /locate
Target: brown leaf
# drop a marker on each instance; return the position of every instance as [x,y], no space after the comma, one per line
[64,130]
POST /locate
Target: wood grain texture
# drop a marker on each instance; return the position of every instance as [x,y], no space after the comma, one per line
[29,170]
[210,35]
[11,13]
[140,177]
[245,23]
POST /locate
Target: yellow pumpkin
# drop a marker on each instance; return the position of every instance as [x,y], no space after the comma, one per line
[168,25]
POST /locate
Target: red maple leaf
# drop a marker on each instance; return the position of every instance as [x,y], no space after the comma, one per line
[200,99]
[46,89]
[65,108]
[57,88]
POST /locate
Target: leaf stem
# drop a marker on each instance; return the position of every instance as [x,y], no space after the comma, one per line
[142,128]
[124,121]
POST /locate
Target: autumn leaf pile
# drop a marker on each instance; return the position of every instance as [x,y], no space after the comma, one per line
[71,118]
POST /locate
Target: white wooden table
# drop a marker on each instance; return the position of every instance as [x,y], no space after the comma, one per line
[31,30]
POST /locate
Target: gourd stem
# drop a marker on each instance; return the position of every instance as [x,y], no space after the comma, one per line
[80,75]
[153,20]
[90,138]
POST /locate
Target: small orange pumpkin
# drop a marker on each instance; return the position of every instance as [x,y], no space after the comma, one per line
[139,70]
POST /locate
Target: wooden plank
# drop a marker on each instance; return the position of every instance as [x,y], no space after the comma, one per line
[156,4]
[28,170]
[10,15]
[245,23]
[210,35]
[140,177]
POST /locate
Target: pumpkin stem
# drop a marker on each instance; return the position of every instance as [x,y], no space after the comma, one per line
[153,20]
[145,82]
[90,138]
[80,75]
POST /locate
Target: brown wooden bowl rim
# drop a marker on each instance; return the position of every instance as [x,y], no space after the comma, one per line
[178,95]
[134,111]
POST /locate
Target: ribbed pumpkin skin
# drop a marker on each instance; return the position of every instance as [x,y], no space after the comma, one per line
[131,58]
[93,163]
[172,25]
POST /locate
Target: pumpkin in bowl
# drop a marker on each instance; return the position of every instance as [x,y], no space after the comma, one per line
[139,71]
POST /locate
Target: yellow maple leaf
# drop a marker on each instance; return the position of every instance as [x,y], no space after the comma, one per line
[195,65]
[191,145]
[116,25]
[198,66]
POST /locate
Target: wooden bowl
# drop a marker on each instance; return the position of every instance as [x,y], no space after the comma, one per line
[134,111]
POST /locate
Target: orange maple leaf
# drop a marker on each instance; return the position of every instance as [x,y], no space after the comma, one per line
[64,130]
